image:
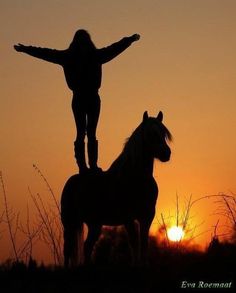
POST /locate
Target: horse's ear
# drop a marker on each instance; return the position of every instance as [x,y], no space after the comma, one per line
[160,116]
[145,116]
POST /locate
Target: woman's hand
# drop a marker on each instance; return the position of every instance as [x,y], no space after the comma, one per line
[19,47]
[136,37]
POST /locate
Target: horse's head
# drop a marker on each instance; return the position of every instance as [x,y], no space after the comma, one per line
[156,136]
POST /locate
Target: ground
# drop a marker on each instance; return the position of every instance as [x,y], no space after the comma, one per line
[168,271]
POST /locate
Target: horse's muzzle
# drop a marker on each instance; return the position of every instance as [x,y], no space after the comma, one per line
[164,155]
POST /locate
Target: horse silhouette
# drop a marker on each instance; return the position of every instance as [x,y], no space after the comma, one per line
[125,194]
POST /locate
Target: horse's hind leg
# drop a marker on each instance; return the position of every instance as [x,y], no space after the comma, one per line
[94,232]
[73,242]
[69,245]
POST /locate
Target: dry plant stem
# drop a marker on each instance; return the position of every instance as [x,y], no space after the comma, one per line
[29,243]
[1,220]
[27,247]
[29,234]
[177,210]
[16,226]
[232,215]
[9,222]
[230,212]
[215,229]
[47,230]
[187,213]
[58,228]
[1,217]
[50,231]
[164,224]
[53,217]
[49,187]
[210,196]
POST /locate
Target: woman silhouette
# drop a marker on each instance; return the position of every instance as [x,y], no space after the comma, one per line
[82,65]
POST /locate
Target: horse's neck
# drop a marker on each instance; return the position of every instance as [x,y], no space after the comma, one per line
[130,166]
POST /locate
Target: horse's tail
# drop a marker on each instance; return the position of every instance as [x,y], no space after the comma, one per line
[73,227]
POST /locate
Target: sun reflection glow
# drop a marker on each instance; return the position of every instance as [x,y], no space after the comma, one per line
[175,233]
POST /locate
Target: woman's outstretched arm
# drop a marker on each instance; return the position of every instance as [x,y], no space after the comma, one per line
[50,55]
[108,53]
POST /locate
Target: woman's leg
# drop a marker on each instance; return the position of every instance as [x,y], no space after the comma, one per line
[79,111]
[93,116]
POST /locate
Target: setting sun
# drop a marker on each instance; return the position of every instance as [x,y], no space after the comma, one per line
[175,233]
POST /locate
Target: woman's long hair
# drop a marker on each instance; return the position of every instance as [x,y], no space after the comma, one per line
[82,41]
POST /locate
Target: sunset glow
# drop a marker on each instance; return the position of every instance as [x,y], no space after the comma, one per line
[175,233]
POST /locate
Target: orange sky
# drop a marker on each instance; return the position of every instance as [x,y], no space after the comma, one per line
[184,65]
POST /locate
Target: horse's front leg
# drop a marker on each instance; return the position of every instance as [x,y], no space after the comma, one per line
[144,234]
[132,229]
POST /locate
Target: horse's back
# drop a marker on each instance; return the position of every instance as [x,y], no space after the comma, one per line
[78,192]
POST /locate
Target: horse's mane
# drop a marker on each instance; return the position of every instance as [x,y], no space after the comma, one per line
[133,146]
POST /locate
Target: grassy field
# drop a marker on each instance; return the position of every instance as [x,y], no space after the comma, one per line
[169,270]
